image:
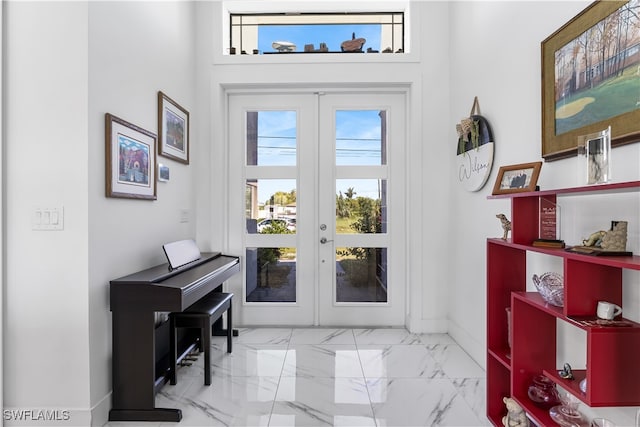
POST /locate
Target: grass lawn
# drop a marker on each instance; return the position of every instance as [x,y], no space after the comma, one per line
[343,225]
[612,97]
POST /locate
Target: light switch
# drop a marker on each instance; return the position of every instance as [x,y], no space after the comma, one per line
[184,215]
[47,218]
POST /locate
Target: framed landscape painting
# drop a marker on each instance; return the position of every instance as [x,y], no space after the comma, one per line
[173,129]
[591,78]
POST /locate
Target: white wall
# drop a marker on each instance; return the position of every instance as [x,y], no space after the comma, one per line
[67,65]
[135,50]
[46,318]
[495,55]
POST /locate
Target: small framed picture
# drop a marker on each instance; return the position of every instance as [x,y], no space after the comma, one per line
[130,160]
[163,173]
[517,178]
[173,129]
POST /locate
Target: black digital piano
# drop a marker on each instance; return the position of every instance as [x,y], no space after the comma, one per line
[140,346]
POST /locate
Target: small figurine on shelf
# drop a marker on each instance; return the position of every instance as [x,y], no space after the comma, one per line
[506,225]
[566,372]
[611,242]
[594,239]
[516,417]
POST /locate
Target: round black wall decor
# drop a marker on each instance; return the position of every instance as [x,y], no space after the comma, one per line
[475,148]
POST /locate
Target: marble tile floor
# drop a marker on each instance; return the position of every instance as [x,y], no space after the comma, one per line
[324,377]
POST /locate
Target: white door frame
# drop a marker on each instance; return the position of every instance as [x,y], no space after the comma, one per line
[237,283]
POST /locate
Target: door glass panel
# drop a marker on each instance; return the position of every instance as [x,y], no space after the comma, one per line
[271,138]
[361,206]
[361,274]
[270,206]
[271,274]
[361,138]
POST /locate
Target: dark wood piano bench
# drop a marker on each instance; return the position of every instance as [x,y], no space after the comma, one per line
[203,314]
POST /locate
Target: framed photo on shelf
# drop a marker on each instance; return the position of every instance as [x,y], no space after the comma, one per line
[130,160]
[173,129]
[517,178]
[589,81]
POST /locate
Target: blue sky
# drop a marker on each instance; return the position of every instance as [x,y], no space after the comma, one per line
[332,35]
[357,143]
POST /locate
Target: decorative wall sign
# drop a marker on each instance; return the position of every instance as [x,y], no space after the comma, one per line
[475,150]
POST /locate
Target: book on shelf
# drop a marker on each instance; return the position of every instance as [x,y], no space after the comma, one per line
[595,251]
[548,243]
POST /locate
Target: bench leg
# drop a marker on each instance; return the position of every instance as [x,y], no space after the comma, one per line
[206,328]
[229,329]
[172,350]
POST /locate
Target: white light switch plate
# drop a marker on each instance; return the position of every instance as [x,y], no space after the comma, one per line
[47,218]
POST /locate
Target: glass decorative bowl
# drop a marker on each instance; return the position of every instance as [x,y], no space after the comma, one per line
[551,287]
[543,392]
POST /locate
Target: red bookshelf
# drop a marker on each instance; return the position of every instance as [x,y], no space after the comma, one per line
[611,352]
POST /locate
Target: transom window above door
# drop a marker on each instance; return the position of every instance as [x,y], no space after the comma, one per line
[340,32]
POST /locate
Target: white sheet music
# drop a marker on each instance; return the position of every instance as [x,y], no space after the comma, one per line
[181,252]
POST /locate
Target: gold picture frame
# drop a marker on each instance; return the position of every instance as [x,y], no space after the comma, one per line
[584,92]
[518,178]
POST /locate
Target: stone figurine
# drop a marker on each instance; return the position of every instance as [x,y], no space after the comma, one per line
[616,238]
[612,240]
[594,239]
[516,417]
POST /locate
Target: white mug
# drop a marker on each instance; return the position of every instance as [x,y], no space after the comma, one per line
[608,310]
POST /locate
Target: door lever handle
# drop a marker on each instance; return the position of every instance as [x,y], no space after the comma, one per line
[324,240]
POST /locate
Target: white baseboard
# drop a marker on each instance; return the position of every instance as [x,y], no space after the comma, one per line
[427,326]
[470,344]
[100,412]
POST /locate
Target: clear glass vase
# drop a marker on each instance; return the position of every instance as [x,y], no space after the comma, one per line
[594,157]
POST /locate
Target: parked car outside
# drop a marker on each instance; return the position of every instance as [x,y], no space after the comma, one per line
[285,222]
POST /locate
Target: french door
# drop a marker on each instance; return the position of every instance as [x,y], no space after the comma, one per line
[316,206]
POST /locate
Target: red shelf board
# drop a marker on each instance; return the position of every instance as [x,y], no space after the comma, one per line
[539,415]
[595,189]
[628,262]
[570,385]
[503,356]
[535,299]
